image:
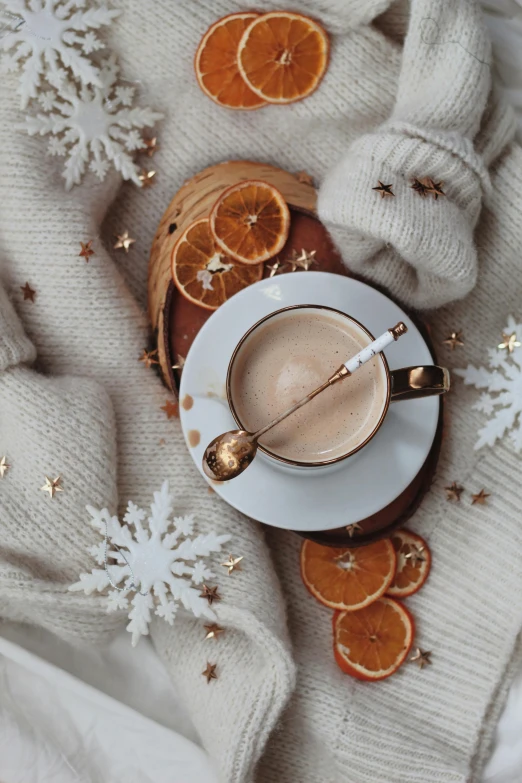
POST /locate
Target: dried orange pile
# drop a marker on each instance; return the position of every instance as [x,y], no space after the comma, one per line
[247,60]
[373,631]
[218,256]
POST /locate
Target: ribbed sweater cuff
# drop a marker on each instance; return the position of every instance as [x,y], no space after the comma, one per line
[15,347]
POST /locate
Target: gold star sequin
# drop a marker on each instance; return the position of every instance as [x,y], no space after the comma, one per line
[303,260]
[233,564]
[86,251]
[454,340]
[304,178]
[150,146]
[480,498]
[123,242]
[414,555]
[213,631]
[454,491]
[384,190]
[171,409]
[28,292]
[509,342]
[210,672]
[146,178]
[149,358]
[4,466]
[353,529]
[52,486]
[274,268]
[180,363]
[422,658]
[210,593]
[435,188]
[419,186]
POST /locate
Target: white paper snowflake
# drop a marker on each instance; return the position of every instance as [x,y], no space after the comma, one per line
[42,37]
[157,562]
[92,125]
[502,401]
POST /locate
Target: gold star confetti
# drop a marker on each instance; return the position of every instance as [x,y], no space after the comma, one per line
[150,146]
[353,529]
[480,498]
[180,363]
[233,564]
[414,555]
[124,241]
[454,491]
[435,188]
[210,593]
[4,466]
[509,342]
[419,186]
[86,251]
[213,631]
[274,268]
[304,259]
[384,190]
[210,672]
[162,442]
[454,340]
[146,178]
[149,358]
[171,409]
[304,178]
[28,292]
[422,658]
[52,486]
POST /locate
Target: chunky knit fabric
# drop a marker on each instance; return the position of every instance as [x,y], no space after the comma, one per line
[407,93]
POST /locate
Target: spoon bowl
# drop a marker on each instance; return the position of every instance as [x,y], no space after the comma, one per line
[229,454]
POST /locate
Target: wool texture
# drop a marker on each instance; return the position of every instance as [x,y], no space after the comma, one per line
[407,94]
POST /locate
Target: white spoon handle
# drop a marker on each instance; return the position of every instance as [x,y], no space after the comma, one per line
[374,348]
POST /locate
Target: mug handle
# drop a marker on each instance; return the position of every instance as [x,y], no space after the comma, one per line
[411,383]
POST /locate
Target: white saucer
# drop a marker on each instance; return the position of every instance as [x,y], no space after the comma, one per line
[301,499]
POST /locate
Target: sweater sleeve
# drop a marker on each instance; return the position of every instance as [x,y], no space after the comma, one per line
[421,248]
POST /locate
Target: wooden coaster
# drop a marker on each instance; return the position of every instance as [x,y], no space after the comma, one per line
[177,321]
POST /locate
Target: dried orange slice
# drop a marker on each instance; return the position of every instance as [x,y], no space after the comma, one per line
[216,66]
[372,643]
[204,274]
[413,563]
[250,221]
[348,579]
[283,56]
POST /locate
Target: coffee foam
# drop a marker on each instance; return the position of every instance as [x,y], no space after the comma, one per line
[285,359]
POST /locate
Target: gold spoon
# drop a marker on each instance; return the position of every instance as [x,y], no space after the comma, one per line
[228,455]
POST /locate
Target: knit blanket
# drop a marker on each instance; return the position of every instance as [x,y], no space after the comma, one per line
[407,93]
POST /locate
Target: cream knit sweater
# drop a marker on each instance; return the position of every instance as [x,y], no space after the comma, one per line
[407,93]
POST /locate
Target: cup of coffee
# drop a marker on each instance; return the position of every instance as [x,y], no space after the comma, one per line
[289,353]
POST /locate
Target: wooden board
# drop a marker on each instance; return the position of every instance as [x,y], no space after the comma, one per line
[177,321]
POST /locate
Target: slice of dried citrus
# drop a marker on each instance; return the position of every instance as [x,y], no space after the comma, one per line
[216,66]
[348,579]
[250,221]
[204,274]
[413,563]
[283,56]
[372,643]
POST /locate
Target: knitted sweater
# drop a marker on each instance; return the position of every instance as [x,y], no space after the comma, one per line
[407,93]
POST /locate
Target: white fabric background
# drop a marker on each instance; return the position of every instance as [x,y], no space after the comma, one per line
[126,723]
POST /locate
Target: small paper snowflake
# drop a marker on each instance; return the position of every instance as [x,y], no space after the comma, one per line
[92,125]
[45,36]
[157,562]
[502,401]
